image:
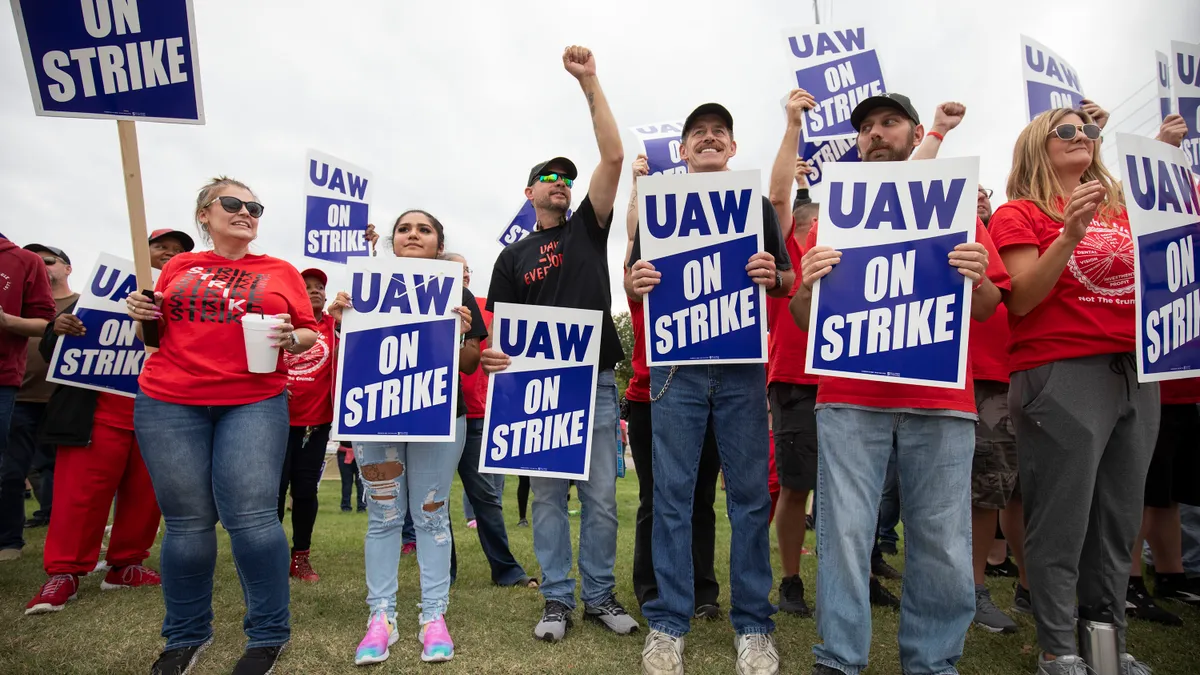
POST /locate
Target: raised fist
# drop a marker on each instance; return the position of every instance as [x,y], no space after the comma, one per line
[579,62]
[947,116]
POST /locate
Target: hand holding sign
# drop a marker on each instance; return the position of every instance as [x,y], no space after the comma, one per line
[339,304]
[140,307]
[948,116]
[803,169]
[971,259]
[1173,130]
[69,324]
[644,277]
[579,62]
[641,166]
[761,270]
[465,315]
[372,238]
[1081,208]
[799,101]
[816,263]
[1100,115]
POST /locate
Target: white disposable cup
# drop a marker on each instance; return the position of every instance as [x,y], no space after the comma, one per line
[262,356]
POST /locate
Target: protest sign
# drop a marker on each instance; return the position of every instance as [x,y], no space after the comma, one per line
[699,231]
[819,155]
[540,409]
[117,59]
[1164,219]
[1050,82]
[660,143]
[839,70]
[398,361]
[1185,84]
[894,309]
[109,356]
[1162,76]
[521,224]
[336,209]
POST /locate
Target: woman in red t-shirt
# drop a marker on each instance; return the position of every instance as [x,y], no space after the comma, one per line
[213,434]
[1085,428]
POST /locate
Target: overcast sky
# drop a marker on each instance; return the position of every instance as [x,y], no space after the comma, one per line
[449,104]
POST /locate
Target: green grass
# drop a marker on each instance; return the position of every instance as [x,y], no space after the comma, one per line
[118,632]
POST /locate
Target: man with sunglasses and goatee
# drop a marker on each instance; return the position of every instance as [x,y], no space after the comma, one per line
[564,263]
[931,432]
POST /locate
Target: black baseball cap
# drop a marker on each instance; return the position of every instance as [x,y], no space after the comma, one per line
[567,166]
[895,101]
[707,109]
[56,252]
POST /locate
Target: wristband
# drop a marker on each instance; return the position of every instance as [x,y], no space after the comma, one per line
[936,135]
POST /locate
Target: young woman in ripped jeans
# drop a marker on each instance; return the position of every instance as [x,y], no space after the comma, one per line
[415,478]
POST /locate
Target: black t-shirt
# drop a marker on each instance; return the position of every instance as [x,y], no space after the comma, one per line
[564,266]
[772,239]
[478,330]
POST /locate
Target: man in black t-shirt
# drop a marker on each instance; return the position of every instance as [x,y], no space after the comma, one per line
[563,263]
[684,400]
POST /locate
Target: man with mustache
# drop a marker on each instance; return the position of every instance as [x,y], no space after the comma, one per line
[931,432]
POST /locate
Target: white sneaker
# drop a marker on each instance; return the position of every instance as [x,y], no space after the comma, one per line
[756,654]
[662,655]
[1131,666]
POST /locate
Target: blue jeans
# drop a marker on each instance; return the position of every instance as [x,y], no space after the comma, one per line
[598,522]
[21,453]
[734,399]
[482,491]
[211,463]
[411,478]
[933,458]
[889,504]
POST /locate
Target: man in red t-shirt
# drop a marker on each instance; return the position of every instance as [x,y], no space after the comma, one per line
[931,432]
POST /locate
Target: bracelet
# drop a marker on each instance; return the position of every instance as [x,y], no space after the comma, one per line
[936,135]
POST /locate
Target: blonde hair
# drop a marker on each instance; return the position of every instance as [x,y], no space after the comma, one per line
[206,195]
[1032,177]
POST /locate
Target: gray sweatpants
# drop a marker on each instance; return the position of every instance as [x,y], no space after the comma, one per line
[1085,435]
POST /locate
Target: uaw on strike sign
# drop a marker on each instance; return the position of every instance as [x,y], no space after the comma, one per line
[894,309]
[398,362]
[1164,218]
[336,209]
[839,69]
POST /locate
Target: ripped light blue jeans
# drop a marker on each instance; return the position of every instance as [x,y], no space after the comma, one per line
[415,478]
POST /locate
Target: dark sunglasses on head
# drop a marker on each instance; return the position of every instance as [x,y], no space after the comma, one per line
[986,192]
[50,261]
[554,178]
[1067,131]
[234,205]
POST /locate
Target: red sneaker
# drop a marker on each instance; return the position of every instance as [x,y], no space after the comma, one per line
[129,576]
[408,549]
[301,568]
[54,595]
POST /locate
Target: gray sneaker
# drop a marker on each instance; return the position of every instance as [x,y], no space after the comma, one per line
[612,615]
[1127,665]
[1063,665]
[662,655]
[555,620]
[1022,602]
[989,617]
[756,654]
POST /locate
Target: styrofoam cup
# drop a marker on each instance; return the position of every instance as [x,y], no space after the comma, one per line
[262,356]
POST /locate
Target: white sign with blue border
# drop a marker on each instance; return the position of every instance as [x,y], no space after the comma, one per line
[1050,82]
[839,69]
[894,309]
[398,359]
[337,202]
[660,143]
[540,409]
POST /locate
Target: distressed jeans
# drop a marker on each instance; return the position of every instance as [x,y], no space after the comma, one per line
[413,478]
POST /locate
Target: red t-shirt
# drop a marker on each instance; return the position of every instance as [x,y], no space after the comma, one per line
[1090,310]
[202,358]
[310,378]
[891,395]
[638,390]
[787,345]
[1175,392]
[475,385]
[25,293]
[989,347]
[114,410]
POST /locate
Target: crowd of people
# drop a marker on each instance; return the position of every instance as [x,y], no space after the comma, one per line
[1053,450]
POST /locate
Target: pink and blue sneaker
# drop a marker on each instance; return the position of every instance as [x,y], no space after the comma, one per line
[381,634]
[435,638]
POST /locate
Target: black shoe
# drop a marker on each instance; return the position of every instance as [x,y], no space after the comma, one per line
[709,612]
[809,523]
[881,569]
[36,521]
[1177,587]
[258,661]
[1005,569]
[346,508]
[1139,605]
[888,548]
[178,661]
[881,596]
[791,596]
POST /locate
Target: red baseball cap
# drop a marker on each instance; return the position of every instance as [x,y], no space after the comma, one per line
[183,237]
[316,273]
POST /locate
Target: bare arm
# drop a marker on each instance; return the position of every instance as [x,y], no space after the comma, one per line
[602,189]
[779,190]
[945,119]
[21,326]
[468,356]
[984,300]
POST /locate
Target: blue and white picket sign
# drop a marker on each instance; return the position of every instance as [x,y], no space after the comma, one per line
[540,409]
[1162,75]
[398,362]
[1164,218]
[111,59]
[1185,85]
[819,155]
[839,69]
[660,143]
[522,223]
[700,230]
[337,202]
[1050,82]
[109,356]
[894,309]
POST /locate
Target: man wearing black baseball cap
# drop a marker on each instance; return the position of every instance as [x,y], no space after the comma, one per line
[930,433]
[683,401]
[564,263]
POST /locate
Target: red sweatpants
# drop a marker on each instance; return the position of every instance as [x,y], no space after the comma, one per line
[85,481]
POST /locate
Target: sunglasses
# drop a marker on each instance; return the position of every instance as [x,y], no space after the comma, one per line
[50,261]
[234,205]
[986,192]
[1067,131]
[554,178]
